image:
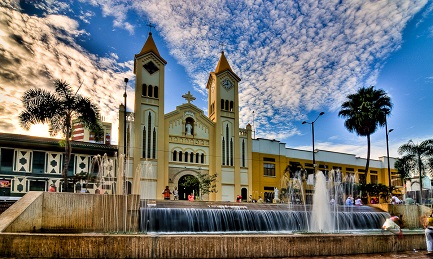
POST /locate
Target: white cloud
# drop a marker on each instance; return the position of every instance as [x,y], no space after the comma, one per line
[294,56]
[32,56]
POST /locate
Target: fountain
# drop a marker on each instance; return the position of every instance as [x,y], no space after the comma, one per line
[320,217]
[182,229]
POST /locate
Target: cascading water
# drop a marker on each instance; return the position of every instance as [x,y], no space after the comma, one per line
[294,216]
[321,217]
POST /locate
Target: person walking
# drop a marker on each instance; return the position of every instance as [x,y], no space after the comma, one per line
[175,194]
[428,230]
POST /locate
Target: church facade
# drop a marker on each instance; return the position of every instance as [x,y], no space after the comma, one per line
[167,149]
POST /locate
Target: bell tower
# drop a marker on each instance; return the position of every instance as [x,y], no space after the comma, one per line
[223,106]
[149,69]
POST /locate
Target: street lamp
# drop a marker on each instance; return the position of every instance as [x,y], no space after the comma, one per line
[312,133]
[387,152]
[124,140]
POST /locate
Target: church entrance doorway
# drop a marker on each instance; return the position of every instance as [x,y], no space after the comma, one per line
[188,184]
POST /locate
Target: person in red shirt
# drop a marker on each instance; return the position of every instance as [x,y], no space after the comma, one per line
[166,193]
[52,188]
[191,197]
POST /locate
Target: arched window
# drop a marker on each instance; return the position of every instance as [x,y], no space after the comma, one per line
[191,157]
[231,152]
[149,91]
[243,153]
[144,142]
[227,105]
[222,104]
[228,147]
[149,134]
[180,156]
[174,155]
[202,158]
[154,144]
[231,106]
[224,151]
[155,91]
[144,90]
[186,156]
[197,156]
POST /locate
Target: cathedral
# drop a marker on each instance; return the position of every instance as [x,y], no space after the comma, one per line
[166,149]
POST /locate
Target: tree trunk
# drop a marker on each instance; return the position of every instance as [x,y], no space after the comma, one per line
[68,151]
[420,177]
[367,165]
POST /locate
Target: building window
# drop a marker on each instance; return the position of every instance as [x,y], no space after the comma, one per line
[243,153]
[154,144]
[362,179]
[149,91]
[7,158]
[231,152]
[231,106]
[180,156]
[269,169]
[222,104]
[186,156]
[144,90]
[197,157]
[149,136]
[144,142]
[374,179]
[175,155]
[191,157]
[155,91]
[38,162]
[224,151]
[268,159]
[202,158]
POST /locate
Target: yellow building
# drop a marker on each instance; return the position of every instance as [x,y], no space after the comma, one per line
[271,159]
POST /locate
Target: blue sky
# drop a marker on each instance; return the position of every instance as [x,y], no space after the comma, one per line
[295,60]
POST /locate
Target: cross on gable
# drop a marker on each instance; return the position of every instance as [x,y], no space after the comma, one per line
[150,25]
[188,97]
[222,46]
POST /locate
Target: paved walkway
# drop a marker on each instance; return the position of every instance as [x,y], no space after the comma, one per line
[407,254]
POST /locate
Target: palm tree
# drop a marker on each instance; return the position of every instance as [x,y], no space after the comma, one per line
[419,154]
[404,165]
[58,109]
[364,111]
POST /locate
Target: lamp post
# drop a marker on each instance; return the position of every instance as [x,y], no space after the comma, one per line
[124,140]
[312,133]
[387,152]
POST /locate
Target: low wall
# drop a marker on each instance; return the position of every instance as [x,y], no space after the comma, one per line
[72,213]
[26,245]
[410,214]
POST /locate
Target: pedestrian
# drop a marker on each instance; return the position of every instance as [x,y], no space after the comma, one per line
[52,188]
[349,201]
[428,230]
[358,201]
[392,225]
[238,198]
[175,194]
[191,197]
[166,193]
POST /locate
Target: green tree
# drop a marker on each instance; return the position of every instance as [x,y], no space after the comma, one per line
[58,110]
[404,166]
[205,183]
[364,111]
[419,154]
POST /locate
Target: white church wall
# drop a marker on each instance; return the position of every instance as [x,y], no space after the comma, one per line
[227,177]
[228,193]
[244,178]
[152,79]
[175,128]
